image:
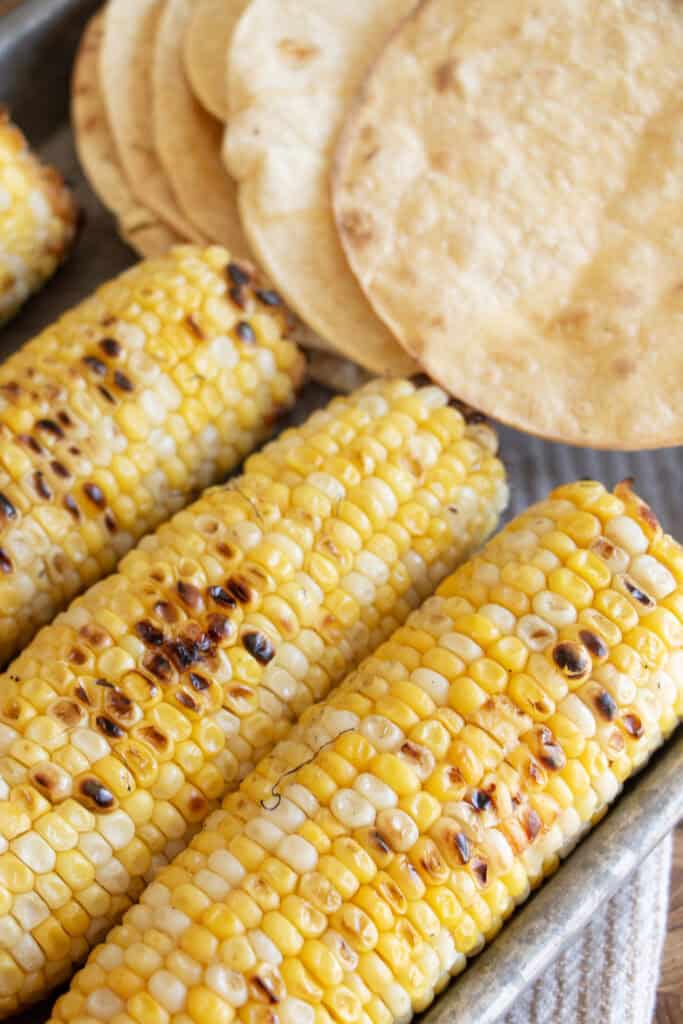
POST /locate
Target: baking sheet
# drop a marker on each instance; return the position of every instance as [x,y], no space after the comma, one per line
[37,41]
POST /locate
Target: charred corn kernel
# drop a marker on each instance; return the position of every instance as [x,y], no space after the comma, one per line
[166,682]
[95,390]
[38,218]
[435,833]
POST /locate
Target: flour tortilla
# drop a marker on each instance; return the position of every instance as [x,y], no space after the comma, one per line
[293,67]
[188,140]
[205,52]
[509,191]
[126,87]
[97,153]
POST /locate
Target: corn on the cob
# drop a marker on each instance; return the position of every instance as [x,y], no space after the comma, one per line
[113,418]
[38,218]
[122,723]
[387,839]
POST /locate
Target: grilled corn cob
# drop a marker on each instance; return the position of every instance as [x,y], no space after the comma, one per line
[152,388]
[37,220]
[122,723]
[387,839]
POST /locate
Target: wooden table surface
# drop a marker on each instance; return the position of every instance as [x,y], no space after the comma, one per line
[670,999]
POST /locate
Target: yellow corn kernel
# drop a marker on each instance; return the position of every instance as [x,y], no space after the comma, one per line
[203,1005]
[398,775]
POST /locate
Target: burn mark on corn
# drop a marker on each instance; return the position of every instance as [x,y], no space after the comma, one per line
[122,382]
[219,629]
[7,509]
[110,729]
[550,753]
[190,595]
[572,659]
[59,469]
[595,644]
[259,646]
[480,800]
[40,486]
[109,521]
[154,737]
[95,795]
[239,589]
[166,612]
[238,273]
[77,656]
[268,297]
[480,870]
[118,705]
[636,593]
[50,427]
[187,701]
[531,823]
[187,651]
[160,667]
[46,778]
[65,419]
[31,443]
[377,840]
[67,712]
[71,507]
[606,705]
[149,634]
[198,682]
[239,295]
[6,566]
[222,597]
[106,394]
[96,365]
[633,725]
[111,347]
[265,986]
[94,494]
[245,332]
[193,326]
[462,847]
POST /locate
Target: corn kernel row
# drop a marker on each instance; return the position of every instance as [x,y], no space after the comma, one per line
[38,218]
[114,417]
[390,835]
[122,723]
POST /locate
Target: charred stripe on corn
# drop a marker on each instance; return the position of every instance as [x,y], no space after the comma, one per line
[38,218]
[122,723]
[391,834]
[111,419]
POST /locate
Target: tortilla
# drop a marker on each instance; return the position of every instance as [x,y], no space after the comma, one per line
[205,52]
[509,192]
[293,66]
[97,152]
[188,140]
[126,86]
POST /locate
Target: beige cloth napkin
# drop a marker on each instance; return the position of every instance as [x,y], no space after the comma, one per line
[610,974]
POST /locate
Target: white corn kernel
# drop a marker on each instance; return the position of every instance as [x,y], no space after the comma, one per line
[535,632]
[625,532]
[654,577]
[298,853]
[230,985]
[382,733]
[352,809]
[378,793]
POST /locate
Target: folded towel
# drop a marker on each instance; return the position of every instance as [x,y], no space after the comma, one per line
[610,973]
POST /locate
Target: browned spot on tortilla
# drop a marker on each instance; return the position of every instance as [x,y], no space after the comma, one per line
[444,75]
[299,52]
[623,367]
[357,226]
